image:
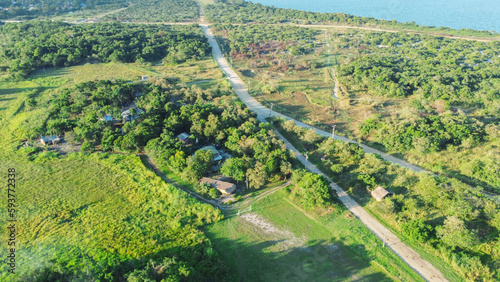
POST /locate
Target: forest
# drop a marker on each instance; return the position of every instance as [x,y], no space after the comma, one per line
[158,11]
[31,45]
[442,215]
[240,11]
[245,39]
[32,9]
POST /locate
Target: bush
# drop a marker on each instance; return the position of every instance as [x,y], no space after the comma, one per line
[214,193]
[87,147]
[416,230]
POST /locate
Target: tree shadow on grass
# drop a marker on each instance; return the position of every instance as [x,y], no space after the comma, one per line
[10,91]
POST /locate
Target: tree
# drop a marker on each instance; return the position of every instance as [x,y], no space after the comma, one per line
[235,168]
[170,269]
[257,176]
[87,147]
[198,165]
[454,233]
[178,161]
[214,193]
[311,189]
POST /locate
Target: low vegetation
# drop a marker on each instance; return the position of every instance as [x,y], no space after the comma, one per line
[158,11]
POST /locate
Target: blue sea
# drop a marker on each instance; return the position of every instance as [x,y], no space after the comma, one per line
[458,14]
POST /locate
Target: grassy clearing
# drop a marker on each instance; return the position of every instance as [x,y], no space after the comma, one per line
[333,247]
[186,72]
[95,207]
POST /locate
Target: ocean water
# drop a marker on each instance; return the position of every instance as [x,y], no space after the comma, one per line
[458,14]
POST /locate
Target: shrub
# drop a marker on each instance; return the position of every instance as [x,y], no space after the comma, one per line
[416,230]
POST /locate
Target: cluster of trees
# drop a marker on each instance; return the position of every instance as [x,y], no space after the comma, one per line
[449,218]
[31,45]
[158,11]
[242,37]
[23,10]
[257,154]
[424,134]
[268,46]
[461,72]
[240,11]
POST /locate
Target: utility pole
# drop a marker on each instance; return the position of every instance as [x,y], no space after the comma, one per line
[270,111]
[333,131]
[307,157]
[385,236]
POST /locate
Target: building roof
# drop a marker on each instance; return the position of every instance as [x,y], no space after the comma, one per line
[217,156]
[49,138]
[107,118]
[380,193]
[127,112]
[183,136]
[224,187]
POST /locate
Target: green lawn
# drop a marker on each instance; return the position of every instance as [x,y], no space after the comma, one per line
[306,247]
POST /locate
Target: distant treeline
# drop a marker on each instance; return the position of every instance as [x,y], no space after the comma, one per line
[31,45]
[158,11]
[461,72]
[239,11]
[22,10]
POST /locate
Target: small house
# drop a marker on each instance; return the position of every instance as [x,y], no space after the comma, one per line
[380,193]
[144,77]
[217,155]
[184,138]
[128,116]
[49,140]
[107,118]
[226,188]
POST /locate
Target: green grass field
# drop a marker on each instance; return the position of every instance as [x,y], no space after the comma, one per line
[305,247]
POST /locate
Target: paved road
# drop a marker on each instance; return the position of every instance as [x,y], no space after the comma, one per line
[412,258]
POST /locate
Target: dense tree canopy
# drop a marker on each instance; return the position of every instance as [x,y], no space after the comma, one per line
[27,46]
[158,11]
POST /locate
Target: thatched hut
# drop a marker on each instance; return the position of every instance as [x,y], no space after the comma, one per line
[380,193]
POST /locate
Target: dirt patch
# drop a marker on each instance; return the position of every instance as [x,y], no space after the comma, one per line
[300,98]
[287,238]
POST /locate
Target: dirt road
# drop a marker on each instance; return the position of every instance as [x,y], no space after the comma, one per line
[263,112]
[412,258]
